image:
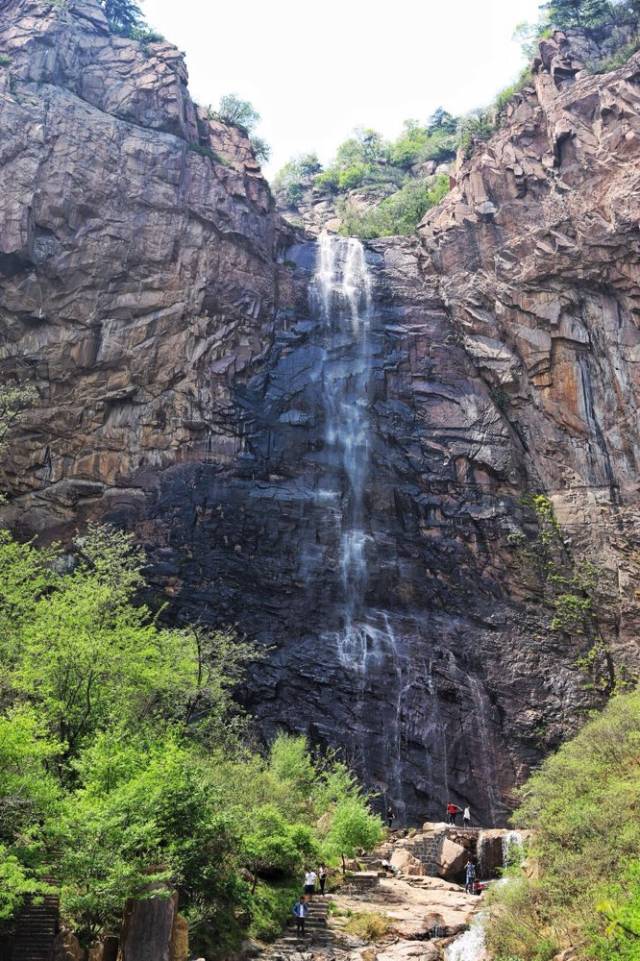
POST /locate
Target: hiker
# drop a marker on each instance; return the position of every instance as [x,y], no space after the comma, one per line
[310,879]
[452,812]
[390,817]
[322,877]
[470,877]
[466,817]
[300,912]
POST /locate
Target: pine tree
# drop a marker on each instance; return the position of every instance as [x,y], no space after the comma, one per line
[124,16]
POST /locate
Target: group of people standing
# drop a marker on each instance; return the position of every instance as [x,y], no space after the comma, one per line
[301,907]
[453,811]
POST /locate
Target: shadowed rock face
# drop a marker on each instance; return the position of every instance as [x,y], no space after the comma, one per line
[163,311]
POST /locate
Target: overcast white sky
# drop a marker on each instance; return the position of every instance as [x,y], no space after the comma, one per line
[317,70]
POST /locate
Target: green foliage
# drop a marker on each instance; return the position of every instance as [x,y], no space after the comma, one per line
[619,58]
[261,148]
[581,806]
[565,14]
[437,141]
[505,96]
[353,827]
[271,908]
[13,400]
[124,16]
[368,925]
[16,884]
[292,179]
[398,214]
[124,770]
[273,846]
[205,152]
[5,60]
[237,112]
[475,126]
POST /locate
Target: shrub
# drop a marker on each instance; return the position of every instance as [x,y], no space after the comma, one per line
[618,59]
[398,214]
[581,806]
[291,180]
[239,113]
[270,908]
[506,95]
[261,149]
[368,925]
[475,126]
[5,60]
[353,827]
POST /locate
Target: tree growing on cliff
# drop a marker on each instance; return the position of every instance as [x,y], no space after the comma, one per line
[565,14]
[237,112]
[124,16]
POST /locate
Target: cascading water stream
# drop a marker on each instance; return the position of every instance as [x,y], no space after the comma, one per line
[342,288]
[341,296]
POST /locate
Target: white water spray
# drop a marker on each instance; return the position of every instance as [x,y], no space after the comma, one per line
[342,288]
[470,946]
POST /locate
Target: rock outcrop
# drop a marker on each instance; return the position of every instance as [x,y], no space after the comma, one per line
[157,302]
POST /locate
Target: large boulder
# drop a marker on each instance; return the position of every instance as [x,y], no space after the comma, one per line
[406,863]
[453,857]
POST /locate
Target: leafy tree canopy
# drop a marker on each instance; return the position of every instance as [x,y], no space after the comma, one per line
[125,765]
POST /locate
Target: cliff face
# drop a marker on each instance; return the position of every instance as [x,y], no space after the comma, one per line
[137,257]
[189,386]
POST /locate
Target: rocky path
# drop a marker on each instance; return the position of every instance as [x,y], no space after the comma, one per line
[423,915]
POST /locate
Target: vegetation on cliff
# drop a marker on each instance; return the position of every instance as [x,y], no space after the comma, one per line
[582,882]
[384,187]
[399,179]
[125,763]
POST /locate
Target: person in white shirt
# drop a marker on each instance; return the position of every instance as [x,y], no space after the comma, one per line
[466,817]
[310,878]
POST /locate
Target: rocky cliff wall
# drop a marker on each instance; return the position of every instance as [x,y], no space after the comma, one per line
[162,310]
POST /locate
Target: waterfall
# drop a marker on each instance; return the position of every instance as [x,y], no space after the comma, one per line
[342,290]
[512,847]
[365,641]
[470,946]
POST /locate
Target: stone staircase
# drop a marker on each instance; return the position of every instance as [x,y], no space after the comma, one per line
[317,933]
[35,932]
[359,883]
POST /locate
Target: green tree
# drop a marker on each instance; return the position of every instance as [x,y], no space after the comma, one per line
[576,13]
[292,179]
[124,16]
[353,828]
[237,112]
[441,121]
[145,813]
[273,846]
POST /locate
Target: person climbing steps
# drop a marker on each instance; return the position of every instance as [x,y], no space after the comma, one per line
[300,913]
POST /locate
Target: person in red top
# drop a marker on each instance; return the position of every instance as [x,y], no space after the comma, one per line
[452,812]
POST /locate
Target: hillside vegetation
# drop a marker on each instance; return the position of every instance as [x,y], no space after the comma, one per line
[582,882]
[380,187]
[125,763]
